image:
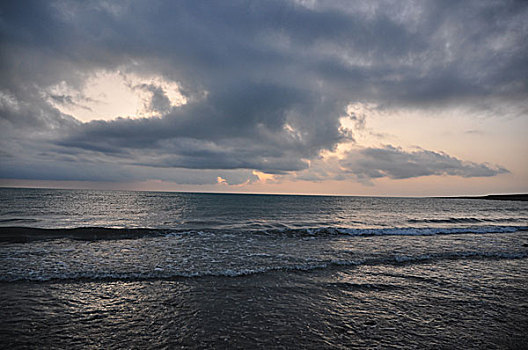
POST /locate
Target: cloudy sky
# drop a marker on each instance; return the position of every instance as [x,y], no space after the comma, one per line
[292,96]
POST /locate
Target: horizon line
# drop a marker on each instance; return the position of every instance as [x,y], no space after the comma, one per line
[460,196]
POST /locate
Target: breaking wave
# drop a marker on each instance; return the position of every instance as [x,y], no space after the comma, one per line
[28,234]
[400,231]
[160,274]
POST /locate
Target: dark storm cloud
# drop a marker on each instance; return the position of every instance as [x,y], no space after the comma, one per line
[395,163]
[159,101]
[265,82]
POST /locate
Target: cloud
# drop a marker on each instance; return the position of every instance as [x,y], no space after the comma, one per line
[265,83]
[395,163]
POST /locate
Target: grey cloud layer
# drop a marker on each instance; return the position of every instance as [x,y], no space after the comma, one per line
[395,163]
[252,72]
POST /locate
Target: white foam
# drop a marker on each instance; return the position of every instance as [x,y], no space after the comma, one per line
[309,264]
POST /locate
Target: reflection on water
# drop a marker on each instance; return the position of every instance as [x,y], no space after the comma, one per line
[235,271]
[366,306]
[80,208]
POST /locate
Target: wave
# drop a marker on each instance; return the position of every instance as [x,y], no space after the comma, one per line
[159,274]
[464,220]
[29,234]
[18,220]
[400,231]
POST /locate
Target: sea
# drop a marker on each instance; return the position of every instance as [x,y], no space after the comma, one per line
[156,270]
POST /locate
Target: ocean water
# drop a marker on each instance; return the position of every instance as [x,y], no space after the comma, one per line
[116,269]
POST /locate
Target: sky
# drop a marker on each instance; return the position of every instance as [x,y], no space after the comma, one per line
[385,98]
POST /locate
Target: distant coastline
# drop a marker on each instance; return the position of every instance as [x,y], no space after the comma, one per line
[497,197]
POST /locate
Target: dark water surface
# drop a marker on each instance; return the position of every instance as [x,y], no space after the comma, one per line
[103,269]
